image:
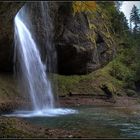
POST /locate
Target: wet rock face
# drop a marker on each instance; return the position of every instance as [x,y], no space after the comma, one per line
[83,44]
[74,49]
[8,11]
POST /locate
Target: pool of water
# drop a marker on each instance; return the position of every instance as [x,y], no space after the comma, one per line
[96,122]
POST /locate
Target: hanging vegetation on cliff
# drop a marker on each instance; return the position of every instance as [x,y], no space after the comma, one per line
[82,6]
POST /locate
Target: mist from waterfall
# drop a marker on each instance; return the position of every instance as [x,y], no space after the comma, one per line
[31,71]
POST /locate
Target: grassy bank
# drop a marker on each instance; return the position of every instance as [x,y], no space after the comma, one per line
[90,83]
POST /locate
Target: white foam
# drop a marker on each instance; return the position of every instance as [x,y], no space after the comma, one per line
[43,113]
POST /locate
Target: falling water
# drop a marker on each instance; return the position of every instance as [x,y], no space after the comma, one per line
[33,72]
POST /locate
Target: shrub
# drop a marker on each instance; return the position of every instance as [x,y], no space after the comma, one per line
[121,72]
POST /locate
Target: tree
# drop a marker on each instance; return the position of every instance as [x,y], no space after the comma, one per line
[135,18]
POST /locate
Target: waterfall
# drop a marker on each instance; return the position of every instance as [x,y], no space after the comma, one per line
[32,67]
[32,74]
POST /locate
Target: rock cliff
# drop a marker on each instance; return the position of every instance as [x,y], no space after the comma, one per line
[8,11]
[83,41]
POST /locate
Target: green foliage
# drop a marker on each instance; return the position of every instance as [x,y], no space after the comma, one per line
[111,87]
[118,20]
[121,72]
[126,65]
[67,83]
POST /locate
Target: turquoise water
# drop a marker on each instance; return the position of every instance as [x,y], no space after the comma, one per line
[96,122]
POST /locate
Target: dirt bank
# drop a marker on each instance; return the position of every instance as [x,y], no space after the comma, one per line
[123,101]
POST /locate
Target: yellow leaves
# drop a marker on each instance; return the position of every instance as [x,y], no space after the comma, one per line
[83,6]
[91,5]
[77,6]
